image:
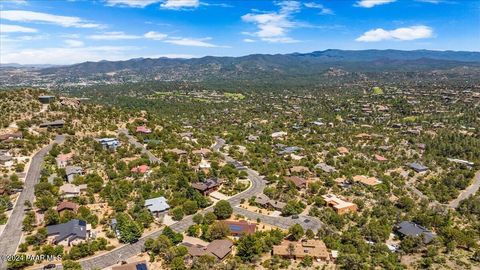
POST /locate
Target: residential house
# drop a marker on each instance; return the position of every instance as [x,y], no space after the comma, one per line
[343,150]
[298,181]
[70,190]
[141,265]
[157,205]
[208,186]
[241,227]
[63,159]
[202,152]
[72,171]
[418,167]
[326,168]
[408,228]
[289,150]
[279,134]
[143,129]
[217,248]
[368,181]
[237,165]
[299,170]
[298,250]
[109,143]
[177,151]
[70,233]
[266,202]
[66,205]
[54,124]
[340,206]
[6,160]
[46,99]
[142,169]
[11,136]
[380,158]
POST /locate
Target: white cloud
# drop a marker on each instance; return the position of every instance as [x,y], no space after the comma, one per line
[67,55]
[132,3]
[430,1]
[155,35]
[73,43]
[113,36]
[10,28]
[38,17]
[323,9]
[191,42]
[274,26]
[180,4]
[399,34]
[248,40]
[173,55]
[372,3]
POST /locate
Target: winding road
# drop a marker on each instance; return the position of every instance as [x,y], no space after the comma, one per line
[257,185]
[12,234]
[470,190]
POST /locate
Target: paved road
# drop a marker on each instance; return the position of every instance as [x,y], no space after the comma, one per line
[132,140]
[470,190]
[257,185]
[10,238]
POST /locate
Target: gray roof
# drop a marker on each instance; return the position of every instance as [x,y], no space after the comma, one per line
[5,158]
[54,123]
[73,170]
[158,204]
[72,230]
[418,167]
[408,228]
[207,184]
[326,168]
[290,150]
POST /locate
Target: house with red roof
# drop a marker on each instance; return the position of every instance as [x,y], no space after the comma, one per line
[140,169]
[144,130]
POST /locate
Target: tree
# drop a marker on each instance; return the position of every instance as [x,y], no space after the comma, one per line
[295,232]
[129,230]
[51,217]
[178,263]
[291,249]
[307,261]
[218,230]
[248,248]
[190,207]
[209,218]
[173,236]
[177,213]
[223,209]
[71,265]
[309,234]
[198,218]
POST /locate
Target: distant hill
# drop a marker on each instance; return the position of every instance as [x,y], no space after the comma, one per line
[258,67]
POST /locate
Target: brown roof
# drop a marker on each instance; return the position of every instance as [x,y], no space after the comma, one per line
[65,205]
[313,248]
[299,169]
[298,181]
[130,266]
[240,227]
[217,248]
[220,248]
[208,184]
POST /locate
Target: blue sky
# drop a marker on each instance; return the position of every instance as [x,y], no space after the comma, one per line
[72,31]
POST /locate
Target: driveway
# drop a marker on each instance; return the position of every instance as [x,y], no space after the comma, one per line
[10,238]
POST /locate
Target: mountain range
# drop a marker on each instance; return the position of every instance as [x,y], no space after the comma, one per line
[263,66]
